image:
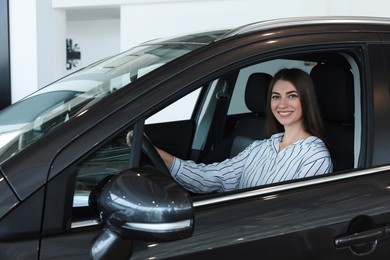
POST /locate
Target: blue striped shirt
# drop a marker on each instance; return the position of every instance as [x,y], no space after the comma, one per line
[260,163]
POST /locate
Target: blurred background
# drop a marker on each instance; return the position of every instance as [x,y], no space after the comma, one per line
[43,40]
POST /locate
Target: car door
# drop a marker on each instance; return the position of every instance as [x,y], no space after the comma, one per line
[341,216]
[310,218]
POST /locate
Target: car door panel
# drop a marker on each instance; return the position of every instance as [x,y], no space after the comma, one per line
[291,224]
[75,245]
[21,250]
[20,228]
[9,199]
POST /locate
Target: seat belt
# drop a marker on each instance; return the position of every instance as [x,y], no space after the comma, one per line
[219,118]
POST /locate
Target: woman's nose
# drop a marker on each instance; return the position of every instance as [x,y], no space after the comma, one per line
[283,102]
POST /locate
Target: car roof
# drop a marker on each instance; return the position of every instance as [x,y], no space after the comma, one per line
[197,38]
[309,20]
[207,37]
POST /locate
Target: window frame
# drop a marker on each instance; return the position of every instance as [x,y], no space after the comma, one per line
[229,197]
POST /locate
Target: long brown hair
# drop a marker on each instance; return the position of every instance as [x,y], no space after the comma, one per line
[312,121]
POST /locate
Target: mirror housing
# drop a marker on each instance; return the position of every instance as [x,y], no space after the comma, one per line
[142,204]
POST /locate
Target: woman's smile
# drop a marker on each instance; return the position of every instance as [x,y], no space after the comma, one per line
[285,113]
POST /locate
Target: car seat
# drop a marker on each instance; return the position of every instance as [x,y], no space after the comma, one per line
[249,127]
[335,93]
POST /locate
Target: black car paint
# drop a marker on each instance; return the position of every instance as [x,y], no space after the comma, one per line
[300,220]
[9,198]
[301,227]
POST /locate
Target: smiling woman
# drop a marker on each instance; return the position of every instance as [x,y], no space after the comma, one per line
[296,152]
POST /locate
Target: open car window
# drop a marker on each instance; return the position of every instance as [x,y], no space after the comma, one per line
[190,135]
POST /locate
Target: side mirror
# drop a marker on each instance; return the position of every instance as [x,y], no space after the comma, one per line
[141,204]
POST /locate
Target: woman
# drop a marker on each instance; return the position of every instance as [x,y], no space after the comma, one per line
[295,149]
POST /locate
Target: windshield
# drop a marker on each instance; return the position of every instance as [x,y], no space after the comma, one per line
[31,118]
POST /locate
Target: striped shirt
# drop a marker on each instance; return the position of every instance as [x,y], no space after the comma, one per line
[260,163]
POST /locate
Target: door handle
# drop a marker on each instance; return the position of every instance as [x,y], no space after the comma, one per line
[363,237]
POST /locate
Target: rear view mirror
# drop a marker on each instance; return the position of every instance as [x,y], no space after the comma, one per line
[141,204]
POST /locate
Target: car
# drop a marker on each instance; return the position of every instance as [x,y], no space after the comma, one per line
[73,188]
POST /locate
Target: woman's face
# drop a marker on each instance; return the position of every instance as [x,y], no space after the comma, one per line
[286,104]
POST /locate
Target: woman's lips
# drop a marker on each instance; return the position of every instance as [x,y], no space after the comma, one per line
[285,113]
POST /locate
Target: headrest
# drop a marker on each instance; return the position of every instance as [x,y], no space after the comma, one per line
[335,92]
[256,92]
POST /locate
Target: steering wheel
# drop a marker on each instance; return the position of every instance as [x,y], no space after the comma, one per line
[150,151]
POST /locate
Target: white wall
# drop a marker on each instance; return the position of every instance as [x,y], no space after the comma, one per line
[24,67]
[141,22]
[165,19]
[97,39]
[58,43]
[36,32]
[38,41]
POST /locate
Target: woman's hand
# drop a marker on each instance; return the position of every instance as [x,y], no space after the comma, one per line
[129,138]
[167,158]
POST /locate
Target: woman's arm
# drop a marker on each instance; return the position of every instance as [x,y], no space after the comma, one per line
[166,157]
[316,162]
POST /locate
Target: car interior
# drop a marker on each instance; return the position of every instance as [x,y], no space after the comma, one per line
[334,81]
[227,114]
[338,115]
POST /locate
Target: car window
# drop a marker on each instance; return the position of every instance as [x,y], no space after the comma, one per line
[109,160]
[33,117]
[114,156]
[179,110]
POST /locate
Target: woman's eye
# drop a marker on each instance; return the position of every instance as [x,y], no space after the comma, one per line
[275,96]
[292,96]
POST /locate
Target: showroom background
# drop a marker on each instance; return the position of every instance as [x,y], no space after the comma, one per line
[39,29]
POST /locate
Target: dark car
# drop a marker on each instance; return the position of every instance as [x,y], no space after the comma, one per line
[72,188]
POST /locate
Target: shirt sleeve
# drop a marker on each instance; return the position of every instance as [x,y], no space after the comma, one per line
[317,161]
[205,178]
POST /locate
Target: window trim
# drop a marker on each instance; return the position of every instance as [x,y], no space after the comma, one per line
[289,186]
